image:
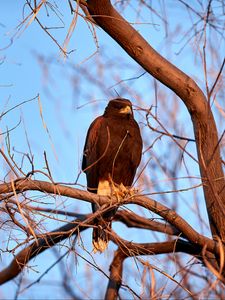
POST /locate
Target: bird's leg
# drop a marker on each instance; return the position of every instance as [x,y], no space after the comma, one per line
[132,191]
[124,191]
[120,191]
[113,189]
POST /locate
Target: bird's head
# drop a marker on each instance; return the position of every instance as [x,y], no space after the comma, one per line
[119,107]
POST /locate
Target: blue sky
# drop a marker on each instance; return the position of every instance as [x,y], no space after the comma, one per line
[69,100]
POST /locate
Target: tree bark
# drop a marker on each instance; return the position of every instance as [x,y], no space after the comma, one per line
[202,118]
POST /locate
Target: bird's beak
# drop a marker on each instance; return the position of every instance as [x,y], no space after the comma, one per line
[126,110]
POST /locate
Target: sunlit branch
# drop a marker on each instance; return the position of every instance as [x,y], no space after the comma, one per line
[25,184]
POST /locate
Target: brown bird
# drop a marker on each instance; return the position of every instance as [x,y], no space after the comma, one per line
[112,153]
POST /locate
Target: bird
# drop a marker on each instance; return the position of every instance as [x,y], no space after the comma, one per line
[111,156]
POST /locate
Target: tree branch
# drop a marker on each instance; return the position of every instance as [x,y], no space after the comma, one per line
[107,203]
[131,219]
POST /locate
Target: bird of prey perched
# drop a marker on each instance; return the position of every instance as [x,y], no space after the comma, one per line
[112,153]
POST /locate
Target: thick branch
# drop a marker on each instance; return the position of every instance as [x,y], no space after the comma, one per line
[131,219]
[131,249]
[204,125]
[166,213]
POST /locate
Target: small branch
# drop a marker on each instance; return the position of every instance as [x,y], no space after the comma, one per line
[217,78]
[47,166]
[16,106]
[11,129]
[57,212]
[173,135]
[128,79]
[9,163]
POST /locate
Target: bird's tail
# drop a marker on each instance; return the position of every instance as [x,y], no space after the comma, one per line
[100,237]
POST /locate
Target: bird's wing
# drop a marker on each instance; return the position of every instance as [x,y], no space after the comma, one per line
[90,154]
